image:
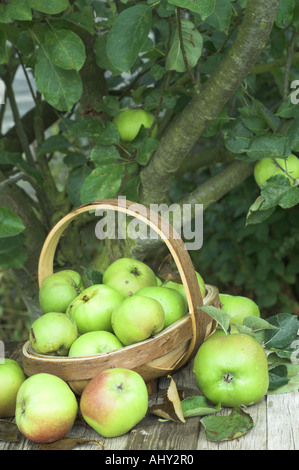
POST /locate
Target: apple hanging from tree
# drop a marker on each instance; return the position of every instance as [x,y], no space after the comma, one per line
[266,167]
[53,334]
[92,309]
[171,300]
[232,370]
[94,342]
[137,318]
[129,122]
[128,275]
[46,408]
[58,290]
[11,378]
[238,308]
[114,401]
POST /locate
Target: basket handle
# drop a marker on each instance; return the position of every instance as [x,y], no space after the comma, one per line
[200,321]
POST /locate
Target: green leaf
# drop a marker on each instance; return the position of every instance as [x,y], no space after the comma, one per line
[66,49]
[287,325]
[15,10]
[103,154]
[225,428]
[198,406]
[221,17]
[268,145]
[193,43]
[75,180]
[204,7]
[218,315]
[54,143]
[103,182]
[61,88]
[92,275]
[95,130]
[237,137]
[83,19]
[10,223]
[51,7]
[284,13]
[102,59]
[256,215]
[278,190]
[12,253]
[258,324]
[278,376]
[128,35]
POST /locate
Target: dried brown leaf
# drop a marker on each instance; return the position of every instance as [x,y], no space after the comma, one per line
[170,408]
[9,432]
[68,443]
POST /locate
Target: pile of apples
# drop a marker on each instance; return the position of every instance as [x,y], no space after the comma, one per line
[130,305]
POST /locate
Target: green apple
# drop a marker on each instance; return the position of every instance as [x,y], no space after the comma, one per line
[238,308]
[129,122]
[181,289]
[171,300]
[232,370]
[11,378]
[128,275]
[46,408]
[114,401]
[94,342]
[58,290]
[92,309]
[137,318]
[266,168]
[53,334]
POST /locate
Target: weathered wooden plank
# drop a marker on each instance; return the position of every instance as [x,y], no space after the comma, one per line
[282,421]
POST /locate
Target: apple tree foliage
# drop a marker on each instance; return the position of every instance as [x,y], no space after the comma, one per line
[217,76]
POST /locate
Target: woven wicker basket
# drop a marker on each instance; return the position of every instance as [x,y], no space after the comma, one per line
[156,357]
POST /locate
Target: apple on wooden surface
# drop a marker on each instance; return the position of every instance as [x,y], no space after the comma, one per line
[59,289]
[232,370]
[114,401]
[128,275]
[11,378]
[129,122]
[46,408]
[266,167]
[53,334]
[94,342]
[238,308]
[171,300]
[137,318]
[92,309]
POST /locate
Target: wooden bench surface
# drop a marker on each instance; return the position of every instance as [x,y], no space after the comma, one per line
[276,425]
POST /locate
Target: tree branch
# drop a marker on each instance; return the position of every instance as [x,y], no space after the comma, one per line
[193,121]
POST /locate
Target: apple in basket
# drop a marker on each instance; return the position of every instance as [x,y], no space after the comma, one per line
[114,401]
[171,300]
[59,289]
[232,370]
[53,334]
[94,342]
[137,318]
[11,378]
[46,408]
[92,309]
[181,289]
[128,275]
